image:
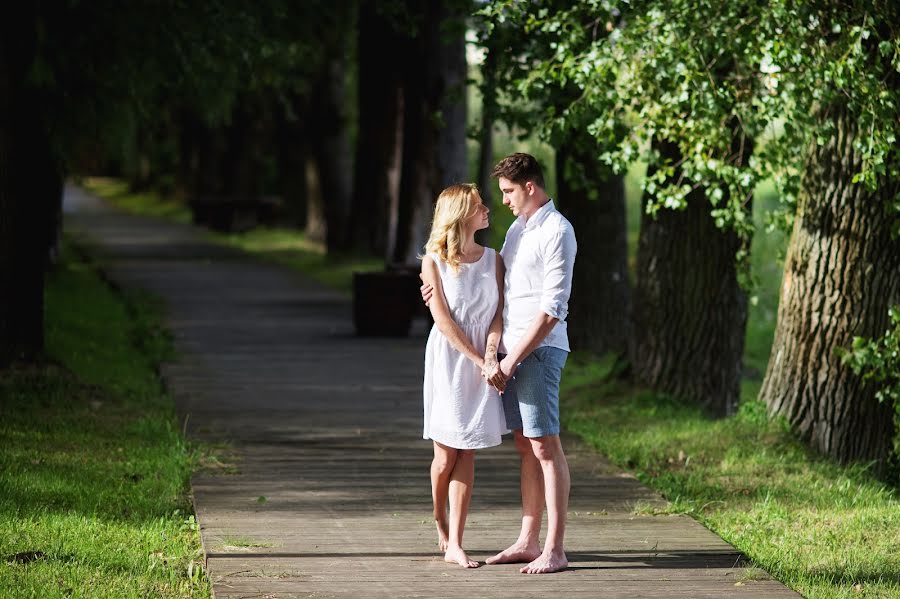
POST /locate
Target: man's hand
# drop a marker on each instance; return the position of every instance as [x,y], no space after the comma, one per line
[426,290]
[508,367]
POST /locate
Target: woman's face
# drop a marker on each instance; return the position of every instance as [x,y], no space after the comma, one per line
[478,217]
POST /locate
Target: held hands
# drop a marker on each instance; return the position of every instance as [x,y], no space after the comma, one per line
[492,373]
[508,367]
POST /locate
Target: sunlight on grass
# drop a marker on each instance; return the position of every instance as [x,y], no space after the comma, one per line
[147,203]
[823,529]
[281,245]
[93,467]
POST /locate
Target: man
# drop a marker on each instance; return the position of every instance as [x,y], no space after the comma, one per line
[539,255]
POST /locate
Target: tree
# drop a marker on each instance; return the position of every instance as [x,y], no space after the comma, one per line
[690,312]
[379,139]
[28,178]
[842,271]
[71,72]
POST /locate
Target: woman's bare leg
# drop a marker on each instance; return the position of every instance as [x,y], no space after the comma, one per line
[441,468]
[462,479]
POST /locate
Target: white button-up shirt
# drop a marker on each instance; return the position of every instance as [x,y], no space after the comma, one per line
[539,255]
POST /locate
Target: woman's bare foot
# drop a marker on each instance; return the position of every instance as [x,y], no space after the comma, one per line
[516,553]
[546,563]
[456,555]
[443,543]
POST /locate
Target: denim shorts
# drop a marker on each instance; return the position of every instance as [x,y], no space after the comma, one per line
[531,399]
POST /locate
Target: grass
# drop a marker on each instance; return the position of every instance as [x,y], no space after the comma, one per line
[94,471]
[276,244]
[824,530]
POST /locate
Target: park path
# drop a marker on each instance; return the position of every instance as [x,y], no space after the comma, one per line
[325,491]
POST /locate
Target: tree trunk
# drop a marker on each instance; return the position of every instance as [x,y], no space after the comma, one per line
[315,203]
[689,311]
[434,146]
[291,140]
[840,278]
[332,152]
[601,295]
[379,142]
[9,344]
[28,178]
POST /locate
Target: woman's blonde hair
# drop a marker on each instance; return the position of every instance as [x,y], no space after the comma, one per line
[453,206]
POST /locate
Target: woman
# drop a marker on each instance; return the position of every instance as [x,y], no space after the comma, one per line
[462,411]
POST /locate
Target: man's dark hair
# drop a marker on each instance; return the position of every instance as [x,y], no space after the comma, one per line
[520,168]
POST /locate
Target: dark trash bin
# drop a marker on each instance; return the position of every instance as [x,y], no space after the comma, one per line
[385,302]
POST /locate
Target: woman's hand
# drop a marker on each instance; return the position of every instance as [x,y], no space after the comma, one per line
[492,373]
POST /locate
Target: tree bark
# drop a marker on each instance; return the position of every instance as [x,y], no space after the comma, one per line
[315,202]
[689,311]
[379,142]
[291,139]
[29,177]
[600,304]
[332,152]
[840,278]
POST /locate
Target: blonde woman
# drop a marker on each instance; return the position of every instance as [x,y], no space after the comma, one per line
[463,411]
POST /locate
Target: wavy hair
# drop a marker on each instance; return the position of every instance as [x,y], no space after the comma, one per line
[453,206]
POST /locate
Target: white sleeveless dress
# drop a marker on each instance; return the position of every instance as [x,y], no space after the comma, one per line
[461,410]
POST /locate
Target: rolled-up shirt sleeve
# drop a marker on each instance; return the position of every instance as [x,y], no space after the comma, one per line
[559,262]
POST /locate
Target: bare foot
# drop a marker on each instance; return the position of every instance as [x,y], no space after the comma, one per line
[547,563]
[442,534]
[517,553]
[456,555]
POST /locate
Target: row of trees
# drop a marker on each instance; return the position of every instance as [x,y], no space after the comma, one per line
[354,114]
[224,103]
[717,97]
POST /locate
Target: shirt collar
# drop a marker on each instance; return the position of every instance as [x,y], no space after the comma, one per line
[540,216]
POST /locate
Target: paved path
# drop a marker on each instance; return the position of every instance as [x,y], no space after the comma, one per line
[325,426]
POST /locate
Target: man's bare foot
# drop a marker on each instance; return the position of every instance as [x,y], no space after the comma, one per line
[516,553]
[456,555]
[442,535]
[547,563]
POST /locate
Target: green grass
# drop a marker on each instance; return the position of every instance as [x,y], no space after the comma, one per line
[824,530]
[149,203]
[293,249]
[94,471]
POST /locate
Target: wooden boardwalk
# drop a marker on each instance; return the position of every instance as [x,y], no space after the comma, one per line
[325,492]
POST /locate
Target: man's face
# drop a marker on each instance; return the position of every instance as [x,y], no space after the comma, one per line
[517,197]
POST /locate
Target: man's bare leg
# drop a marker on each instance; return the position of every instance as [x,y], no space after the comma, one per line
[549,452]
[462,479]
[527,547]
[441,468]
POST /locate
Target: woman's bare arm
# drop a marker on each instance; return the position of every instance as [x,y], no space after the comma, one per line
[491,369]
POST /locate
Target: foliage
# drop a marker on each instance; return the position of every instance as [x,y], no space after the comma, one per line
[93,466]
[687,70]
[823,529]
[878,360]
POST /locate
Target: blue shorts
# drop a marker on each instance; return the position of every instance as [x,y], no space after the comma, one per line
[531,399]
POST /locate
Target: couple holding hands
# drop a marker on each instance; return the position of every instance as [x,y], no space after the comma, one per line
[495,355]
